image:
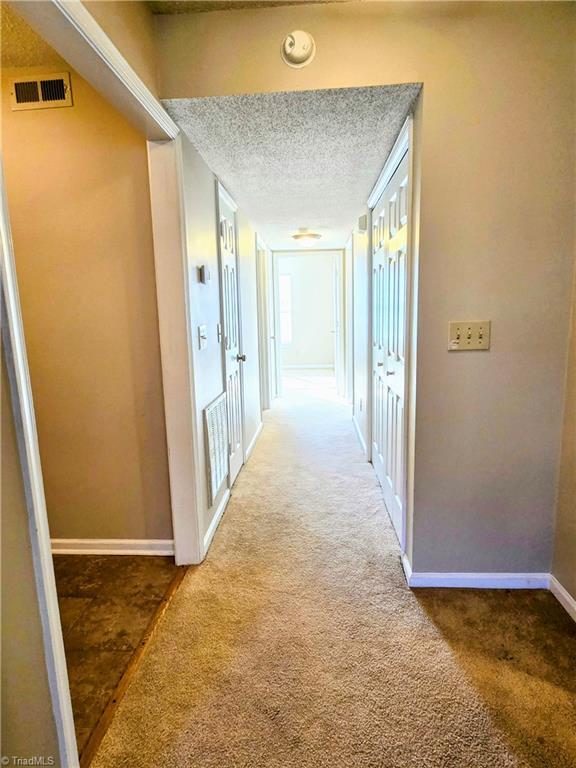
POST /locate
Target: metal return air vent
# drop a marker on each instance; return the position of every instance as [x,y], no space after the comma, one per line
[217,449]
[41,92]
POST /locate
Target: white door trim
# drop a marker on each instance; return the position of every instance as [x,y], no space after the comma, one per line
[176,346]
[404,144]
[564,597]
[401,146]
[215,522]
[25,422]
[250,449]
[72,30]
[226,196]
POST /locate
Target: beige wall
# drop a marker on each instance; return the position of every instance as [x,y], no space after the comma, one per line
[496,237]
[564,567]
[130,26]
[28,726]
[78,195]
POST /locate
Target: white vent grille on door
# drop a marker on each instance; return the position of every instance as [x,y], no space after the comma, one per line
[41,92]
[216,427]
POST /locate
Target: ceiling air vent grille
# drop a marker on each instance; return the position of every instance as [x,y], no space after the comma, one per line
[41,92]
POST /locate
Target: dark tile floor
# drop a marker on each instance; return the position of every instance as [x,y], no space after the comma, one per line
[106,604]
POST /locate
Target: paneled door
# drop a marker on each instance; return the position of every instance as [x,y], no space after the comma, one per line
[231,340]
[389,332]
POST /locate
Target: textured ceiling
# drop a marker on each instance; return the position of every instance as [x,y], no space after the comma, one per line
[298,159]
[21,46]
[198,6]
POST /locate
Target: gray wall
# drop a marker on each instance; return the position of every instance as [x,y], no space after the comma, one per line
[28,726]
[496,235]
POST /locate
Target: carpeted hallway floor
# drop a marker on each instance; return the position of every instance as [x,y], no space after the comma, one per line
[298,645]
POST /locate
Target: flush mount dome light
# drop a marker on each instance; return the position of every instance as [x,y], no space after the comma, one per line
[298,48]
[304,236]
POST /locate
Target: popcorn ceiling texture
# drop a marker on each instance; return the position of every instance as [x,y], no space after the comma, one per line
[297,643]
[201,6]
[20,45]
[298,159]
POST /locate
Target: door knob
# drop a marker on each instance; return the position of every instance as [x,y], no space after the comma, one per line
[390,373]
[241,358]
[379,365]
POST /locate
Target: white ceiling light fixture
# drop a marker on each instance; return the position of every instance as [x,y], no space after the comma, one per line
[304,237]
[298,48]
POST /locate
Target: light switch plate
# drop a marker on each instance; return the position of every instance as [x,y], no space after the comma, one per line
[464,335]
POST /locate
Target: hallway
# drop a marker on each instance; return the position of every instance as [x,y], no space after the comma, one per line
[297,642]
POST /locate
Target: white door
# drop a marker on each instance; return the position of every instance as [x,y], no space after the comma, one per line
[228,241]
[339,349]
[389,331]
[349,313]
[276,346]
[264,334]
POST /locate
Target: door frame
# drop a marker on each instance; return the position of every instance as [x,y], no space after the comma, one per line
[14,351]
[75,34]
[339,305]
[404,144]
[176,346]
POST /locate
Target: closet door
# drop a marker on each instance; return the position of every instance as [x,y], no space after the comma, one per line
[389,313]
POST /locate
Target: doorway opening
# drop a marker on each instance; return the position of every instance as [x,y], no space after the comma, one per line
[83,359]
[316,192]
[309,306]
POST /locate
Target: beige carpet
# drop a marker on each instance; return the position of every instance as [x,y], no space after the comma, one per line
[298,645]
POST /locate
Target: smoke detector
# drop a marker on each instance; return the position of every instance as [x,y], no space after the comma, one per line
[298,48]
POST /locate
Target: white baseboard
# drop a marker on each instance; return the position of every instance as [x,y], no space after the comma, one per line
[112,546]
[209,535]
[310,367]
[480,580]
[492,581]
[253,442]
[407,568]
[563,596]
[360,435]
